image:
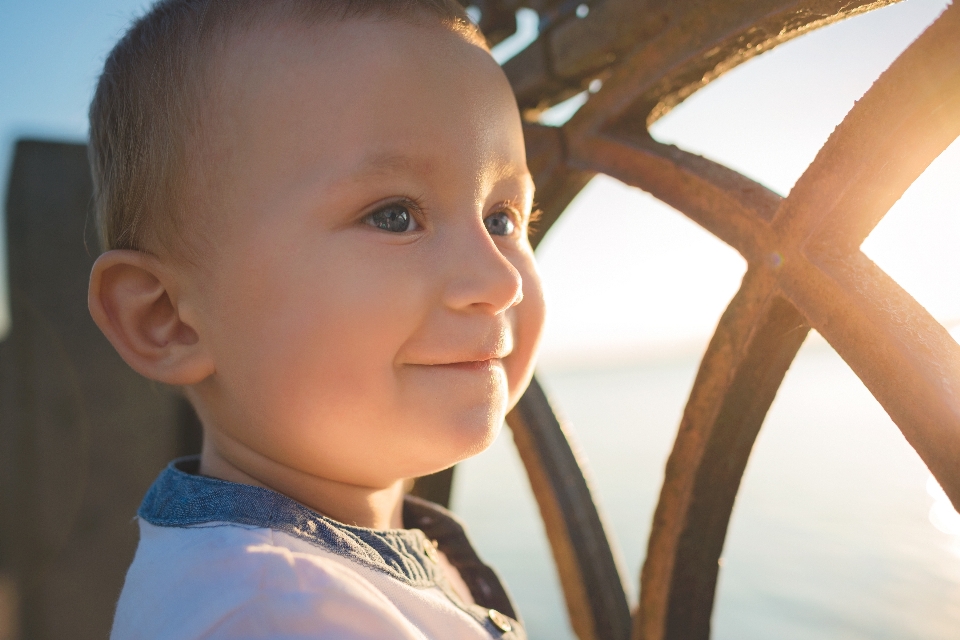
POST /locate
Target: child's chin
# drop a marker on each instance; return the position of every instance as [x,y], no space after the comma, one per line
[454,443]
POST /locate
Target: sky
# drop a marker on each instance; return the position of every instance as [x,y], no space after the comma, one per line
[626,277]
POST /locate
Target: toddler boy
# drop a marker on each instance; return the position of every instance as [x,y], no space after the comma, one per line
[314,215]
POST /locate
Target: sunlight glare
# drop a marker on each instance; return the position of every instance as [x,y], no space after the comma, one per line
[527,30]
[942,514]
[918,242]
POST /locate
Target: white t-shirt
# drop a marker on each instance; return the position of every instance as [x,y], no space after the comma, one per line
[222,560]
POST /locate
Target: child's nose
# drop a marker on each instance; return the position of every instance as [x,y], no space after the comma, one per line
[480,276]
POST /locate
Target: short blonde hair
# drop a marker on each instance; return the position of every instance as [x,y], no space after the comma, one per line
[143,114]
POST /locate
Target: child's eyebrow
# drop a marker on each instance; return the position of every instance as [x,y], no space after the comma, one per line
[390,162]
[379,164]
[513,172]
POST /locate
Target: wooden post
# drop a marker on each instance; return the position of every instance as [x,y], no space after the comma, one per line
[81,435]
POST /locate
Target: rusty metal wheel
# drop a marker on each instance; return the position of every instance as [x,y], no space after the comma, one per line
[805,269]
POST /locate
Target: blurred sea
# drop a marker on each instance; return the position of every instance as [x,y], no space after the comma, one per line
[838,531]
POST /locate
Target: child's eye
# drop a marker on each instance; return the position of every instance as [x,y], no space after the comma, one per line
[499,224]
[395,218]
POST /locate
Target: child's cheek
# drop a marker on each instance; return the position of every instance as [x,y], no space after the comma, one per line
[527,320]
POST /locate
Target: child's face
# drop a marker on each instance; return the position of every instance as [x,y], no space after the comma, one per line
[369,296]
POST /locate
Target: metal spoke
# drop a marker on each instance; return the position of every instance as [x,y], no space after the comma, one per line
[659,52]
[906,119]
[729,205]
[589,570]
[905,357]
[756,341]
[557,183]
[697,41]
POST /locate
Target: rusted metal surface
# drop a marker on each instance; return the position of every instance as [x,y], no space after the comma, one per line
[905,357]
[805,267]
[589,573]
[671,48]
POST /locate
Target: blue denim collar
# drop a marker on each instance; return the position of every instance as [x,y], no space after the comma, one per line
[181,498]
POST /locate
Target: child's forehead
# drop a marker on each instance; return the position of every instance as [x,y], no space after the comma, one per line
[395,106]
[363,68]
[348,44]
[302,112]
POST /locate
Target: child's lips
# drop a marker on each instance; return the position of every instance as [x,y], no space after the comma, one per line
[482,361]
[479,352]
[473,365]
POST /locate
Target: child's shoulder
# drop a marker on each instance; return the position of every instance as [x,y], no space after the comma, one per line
[232,581]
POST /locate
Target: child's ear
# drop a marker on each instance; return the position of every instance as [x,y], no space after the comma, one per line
[133,299]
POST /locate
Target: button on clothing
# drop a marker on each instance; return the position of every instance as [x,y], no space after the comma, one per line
[499,620]
[218,559]
[430,550]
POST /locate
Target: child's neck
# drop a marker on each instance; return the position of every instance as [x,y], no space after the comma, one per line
[347,503]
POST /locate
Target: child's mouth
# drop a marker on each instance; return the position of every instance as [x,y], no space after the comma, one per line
[474,365]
